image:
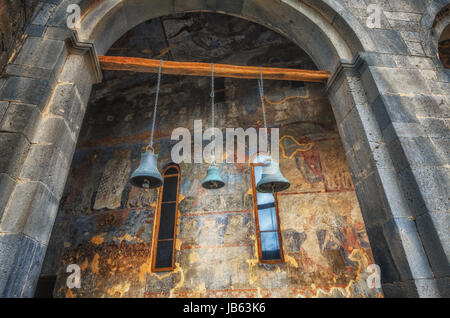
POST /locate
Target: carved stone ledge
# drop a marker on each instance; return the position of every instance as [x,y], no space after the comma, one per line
[86,48]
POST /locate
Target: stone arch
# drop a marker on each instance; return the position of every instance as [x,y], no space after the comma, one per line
[333,38]
[327,35]
[441,27]
[434,23]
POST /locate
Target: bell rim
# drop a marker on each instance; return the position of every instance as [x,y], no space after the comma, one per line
[282,187]
[220,183]
[134,181]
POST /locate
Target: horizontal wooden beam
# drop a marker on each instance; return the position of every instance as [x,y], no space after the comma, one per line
[134,64]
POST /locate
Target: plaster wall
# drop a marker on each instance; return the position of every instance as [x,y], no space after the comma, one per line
[106,226]
[390,103]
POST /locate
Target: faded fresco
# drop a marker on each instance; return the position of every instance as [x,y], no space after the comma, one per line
[106,226]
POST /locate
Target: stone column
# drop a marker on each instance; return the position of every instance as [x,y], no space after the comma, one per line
[402,237]
[42,105]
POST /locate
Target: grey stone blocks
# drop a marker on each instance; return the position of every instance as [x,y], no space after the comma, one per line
[26,90]
[31,211]
[13,152]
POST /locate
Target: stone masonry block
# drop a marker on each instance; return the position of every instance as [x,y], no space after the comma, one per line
[371,201]
[366,119]
[59,16]
[351,131]
[416,151]
[57,33]
[442,144]
[381,113]
[54,131]
[77,72]
[378,59]
[55,248]
[404,242]
[439,131]
[399,81]
[43,54]
[35,30]
[400,290]
[427,288]
[397,130]
[14,148]
[434,231]
[28,71]
[8,248]
[369,84]
[389,41]
[134,10]
[231,7]
[389,108]
[3,107]
[382,255]
[107,32]
[414,62]
[443,285]
[427,105]
[20,118]
[408,6]
[23,262]
[182,6]
[415,48]
[7,187]
[43,14]
[46,164]
[394,199]
[31,211]
[26,90]
[67,104]
[341,100]
[426,188]
[365,165]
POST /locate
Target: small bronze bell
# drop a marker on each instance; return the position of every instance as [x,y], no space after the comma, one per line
[272,180]
[147,175]
[213,179]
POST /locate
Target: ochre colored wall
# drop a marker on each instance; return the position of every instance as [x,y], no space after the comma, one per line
[106,226]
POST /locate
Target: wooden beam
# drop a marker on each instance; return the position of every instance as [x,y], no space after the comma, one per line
[134,64]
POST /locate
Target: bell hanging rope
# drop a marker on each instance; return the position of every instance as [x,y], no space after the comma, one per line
[272,180]
[147,175]
[213,179]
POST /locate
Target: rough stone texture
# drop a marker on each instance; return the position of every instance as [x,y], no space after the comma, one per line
[109,232]
[14,18]
[392,111]
[23,260]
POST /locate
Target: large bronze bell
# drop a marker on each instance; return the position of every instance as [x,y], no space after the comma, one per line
[213,179]
[147,175]
[272,180]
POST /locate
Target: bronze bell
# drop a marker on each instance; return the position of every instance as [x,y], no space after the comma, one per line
[147,175]
[272,180]
[213,179]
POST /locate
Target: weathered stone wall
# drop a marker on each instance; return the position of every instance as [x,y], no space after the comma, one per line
[106,226]
[390,103]
[15,17]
